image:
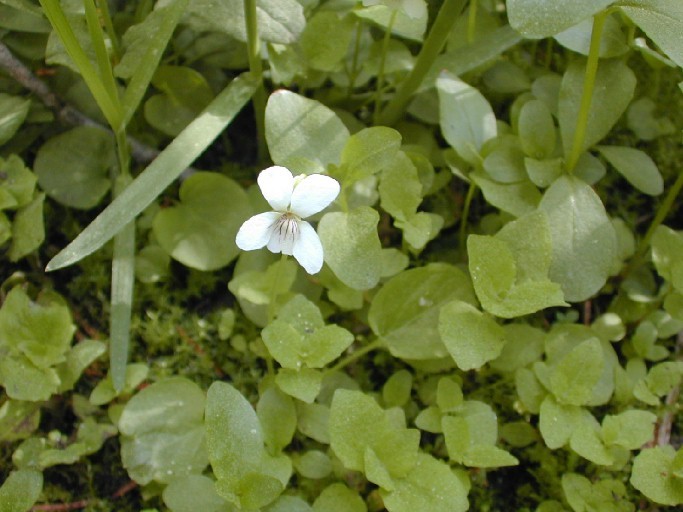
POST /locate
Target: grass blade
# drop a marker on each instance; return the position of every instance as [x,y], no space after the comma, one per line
[179,154]
[148,64]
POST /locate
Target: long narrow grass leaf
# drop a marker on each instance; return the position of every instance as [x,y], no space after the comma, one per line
[148,64]
[101,54]
[179,154]
[58,20]
[122,281]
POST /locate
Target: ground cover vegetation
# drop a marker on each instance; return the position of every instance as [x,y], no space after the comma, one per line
[341,255]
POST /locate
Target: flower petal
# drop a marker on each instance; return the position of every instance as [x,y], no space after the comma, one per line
[313,194]
[276,184]
[308,250]
[256,231]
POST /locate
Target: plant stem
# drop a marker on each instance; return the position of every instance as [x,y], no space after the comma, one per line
[354,62]
[434,43]
[587,94]
[662,212]
[378,343]
[256,68]
[472,21]
[382,62]
[465,214]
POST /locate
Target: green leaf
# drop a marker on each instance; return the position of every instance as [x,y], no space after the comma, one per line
[488,456]
[612,93]
[163,432]
[193,492]
[510,270]
[165,168]
[28,230]
[404,313]
[352,247]
[277,416]
[302,132]
[431,485]
[303,384]
[396,390]
[578,38]
[536,129]
[465,116]
[357,424]
[557,422]
[73,167]
[339,498]
[662,21]
[420,229]
[666,244]
[524,345]
[200,231]
[586,441]
[313,464]
[516,199]
[246,476]
[17,183]
[41,331]
[576,375]
[13,111]
[21,490]
[471,337]
[368,152]
[543,172]
[449,395]
[583,238]
[326,53]
[400,190]
[145,44]
[278,21]
[505,163]
[18,420]
[401,24]
[652,475]
[646,122]
[630,429]
[82,355]
[185,94]
[636,166]
[536,19]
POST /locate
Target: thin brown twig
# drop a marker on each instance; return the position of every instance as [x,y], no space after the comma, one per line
[58,507]
[125,489]
[663,433]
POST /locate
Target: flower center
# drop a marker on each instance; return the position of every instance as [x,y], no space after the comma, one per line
[287,226]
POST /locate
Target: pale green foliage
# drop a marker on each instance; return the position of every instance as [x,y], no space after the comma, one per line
[493,292]
[200,231]
[163,432]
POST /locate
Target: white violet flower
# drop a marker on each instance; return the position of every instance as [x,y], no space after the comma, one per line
[283,230]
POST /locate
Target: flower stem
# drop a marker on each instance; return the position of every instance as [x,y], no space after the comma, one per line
[662,212]
[465,214]
[378,343]
[472,21]
[353,74]
[256,68]
[382,62]
[434,43]
[588,86]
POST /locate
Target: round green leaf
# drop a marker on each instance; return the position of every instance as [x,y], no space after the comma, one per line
[352,247]
[13,111]
[73,167]
[583,239]
[536,129]
[636,166]
[405,312]
[200,231]
[541,18]
[652,475]
[300,129]
[471,337]
[21,490]
[163,432]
